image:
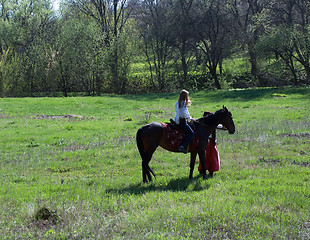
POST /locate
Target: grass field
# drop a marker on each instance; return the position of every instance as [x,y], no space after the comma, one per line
[70,169]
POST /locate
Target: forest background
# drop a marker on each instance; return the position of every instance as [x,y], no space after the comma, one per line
[136,46]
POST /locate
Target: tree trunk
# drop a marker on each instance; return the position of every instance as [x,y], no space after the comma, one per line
[216,80]
[1,85]
[184,67]
[64,84]
[115,69]
[184,64]
[253,61]
[254,68]
[291,65]
[307,69]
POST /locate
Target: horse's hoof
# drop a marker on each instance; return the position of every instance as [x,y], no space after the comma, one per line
[211,174]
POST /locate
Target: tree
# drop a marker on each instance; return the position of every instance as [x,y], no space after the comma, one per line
[278,45]
[213,35]
[3,61]
[111,16]
[78,56]
[289,37]
[153,28]
[182,34]
[249,24]
[302,35]
[27,26]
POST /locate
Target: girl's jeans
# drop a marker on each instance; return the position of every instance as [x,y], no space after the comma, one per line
[188,131]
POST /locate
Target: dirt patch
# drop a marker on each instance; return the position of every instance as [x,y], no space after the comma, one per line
[2,116]
[77,147]
[271,161]
[68,116]
[302,164]
[304,231]
[305,135]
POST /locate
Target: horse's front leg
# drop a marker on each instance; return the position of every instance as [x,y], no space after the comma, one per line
[192,164]
[202,159]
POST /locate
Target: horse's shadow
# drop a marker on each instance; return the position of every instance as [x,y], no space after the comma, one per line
[176,185]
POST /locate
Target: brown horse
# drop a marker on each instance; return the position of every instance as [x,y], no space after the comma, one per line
[152,135]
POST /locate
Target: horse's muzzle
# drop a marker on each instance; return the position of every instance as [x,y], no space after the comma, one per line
[231,131]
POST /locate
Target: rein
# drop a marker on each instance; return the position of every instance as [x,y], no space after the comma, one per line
[205,125]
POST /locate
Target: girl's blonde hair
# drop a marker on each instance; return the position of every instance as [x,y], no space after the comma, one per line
[184,96]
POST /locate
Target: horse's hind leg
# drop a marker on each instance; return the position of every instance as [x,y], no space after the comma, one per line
[149,173]
[148,139]
[146,170]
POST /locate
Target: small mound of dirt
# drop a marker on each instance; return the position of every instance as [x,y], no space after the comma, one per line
[45,215]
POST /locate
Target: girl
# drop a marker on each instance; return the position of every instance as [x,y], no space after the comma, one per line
[182,118]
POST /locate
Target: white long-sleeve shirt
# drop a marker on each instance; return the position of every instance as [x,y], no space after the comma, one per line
[181,112]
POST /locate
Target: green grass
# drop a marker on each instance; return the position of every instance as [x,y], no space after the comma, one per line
[77,157]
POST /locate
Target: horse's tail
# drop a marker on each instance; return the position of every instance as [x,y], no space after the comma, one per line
[140,144]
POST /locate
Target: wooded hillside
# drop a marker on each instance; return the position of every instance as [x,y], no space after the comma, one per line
[132,46]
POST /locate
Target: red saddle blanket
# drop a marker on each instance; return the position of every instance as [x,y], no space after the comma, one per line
[175,137]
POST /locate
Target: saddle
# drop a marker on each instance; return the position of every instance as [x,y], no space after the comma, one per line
[173,124]
[175,136]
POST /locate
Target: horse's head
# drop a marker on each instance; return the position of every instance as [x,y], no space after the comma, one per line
[227,120]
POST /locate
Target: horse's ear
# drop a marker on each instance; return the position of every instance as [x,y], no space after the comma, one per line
[225,108]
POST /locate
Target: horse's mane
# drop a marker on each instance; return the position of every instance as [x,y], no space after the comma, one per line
[211,118]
